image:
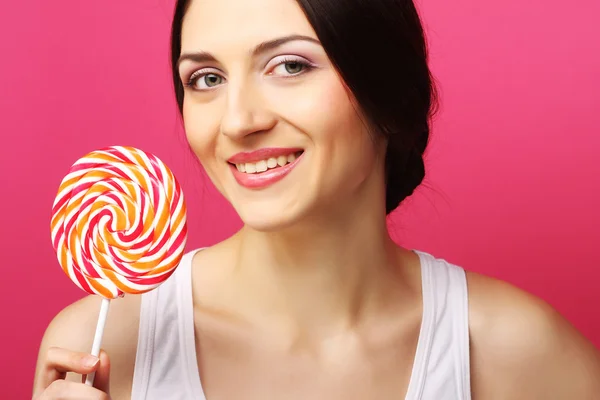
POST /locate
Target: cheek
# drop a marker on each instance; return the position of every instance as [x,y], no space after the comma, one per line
[199,131]
[339,133]
[323,110]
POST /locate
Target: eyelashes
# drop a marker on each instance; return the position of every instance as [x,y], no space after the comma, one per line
[294,63]
[202,74]
[282,67]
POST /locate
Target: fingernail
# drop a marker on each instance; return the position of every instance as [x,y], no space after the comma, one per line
[90,361]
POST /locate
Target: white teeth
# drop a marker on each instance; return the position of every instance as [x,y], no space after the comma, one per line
[261,166]
[264,165]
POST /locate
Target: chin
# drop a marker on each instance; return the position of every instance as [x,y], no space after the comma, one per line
[263,217]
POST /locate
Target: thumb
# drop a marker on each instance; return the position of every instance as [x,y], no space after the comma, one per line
[102,378]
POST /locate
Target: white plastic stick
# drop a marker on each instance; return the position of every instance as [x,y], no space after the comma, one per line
[98,336]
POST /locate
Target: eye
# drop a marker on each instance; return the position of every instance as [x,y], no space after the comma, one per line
[201,80]
[290,66]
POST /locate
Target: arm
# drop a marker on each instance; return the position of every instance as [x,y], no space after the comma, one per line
[73,330]
[522,349]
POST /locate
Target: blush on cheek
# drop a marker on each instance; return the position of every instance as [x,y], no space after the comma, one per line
[323,104]
[199,142]
[201,132]
[342,111]
[339,99]
[202,147]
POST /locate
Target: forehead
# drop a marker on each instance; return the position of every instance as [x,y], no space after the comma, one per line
[212,24]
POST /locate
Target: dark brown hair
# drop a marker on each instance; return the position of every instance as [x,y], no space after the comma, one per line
[379,50]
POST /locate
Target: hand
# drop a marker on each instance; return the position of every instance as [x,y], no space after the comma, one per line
[59,361]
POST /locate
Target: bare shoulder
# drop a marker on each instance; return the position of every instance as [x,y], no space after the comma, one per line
[73,328]
[522,348]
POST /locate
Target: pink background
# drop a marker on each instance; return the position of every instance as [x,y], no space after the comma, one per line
[514,176]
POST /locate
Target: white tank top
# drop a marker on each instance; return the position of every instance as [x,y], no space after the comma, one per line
[166,365]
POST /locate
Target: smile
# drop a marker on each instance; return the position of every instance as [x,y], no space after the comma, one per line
[263,167]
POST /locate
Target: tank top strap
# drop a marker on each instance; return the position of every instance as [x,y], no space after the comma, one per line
[166,365]
[441,368]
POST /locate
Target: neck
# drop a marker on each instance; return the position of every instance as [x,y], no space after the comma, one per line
[319,278]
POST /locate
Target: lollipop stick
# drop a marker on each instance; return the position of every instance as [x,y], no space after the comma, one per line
[98,336]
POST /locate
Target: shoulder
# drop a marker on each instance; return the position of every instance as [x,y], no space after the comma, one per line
[524,349]
[73,328]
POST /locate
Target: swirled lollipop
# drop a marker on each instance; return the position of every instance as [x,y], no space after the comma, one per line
[118,225]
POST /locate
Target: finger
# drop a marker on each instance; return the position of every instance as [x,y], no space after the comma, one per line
[67,390]
[59,361]
[63,361]
[102,376]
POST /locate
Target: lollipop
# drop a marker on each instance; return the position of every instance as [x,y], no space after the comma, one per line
[118,225]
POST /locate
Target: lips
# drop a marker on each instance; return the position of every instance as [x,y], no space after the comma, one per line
[262,168]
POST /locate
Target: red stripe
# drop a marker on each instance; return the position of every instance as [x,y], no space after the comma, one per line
[130,237]
[82,281]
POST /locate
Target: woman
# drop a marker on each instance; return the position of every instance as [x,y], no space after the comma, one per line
[311,118]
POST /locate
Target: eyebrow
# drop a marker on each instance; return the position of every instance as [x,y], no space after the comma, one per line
[263,47]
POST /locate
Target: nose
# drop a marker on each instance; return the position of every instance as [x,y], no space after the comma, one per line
[245,113]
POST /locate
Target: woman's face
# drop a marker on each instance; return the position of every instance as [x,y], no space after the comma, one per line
[267,114]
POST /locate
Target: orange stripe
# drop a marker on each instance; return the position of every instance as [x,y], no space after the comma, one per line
[100,288]
[124,288]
